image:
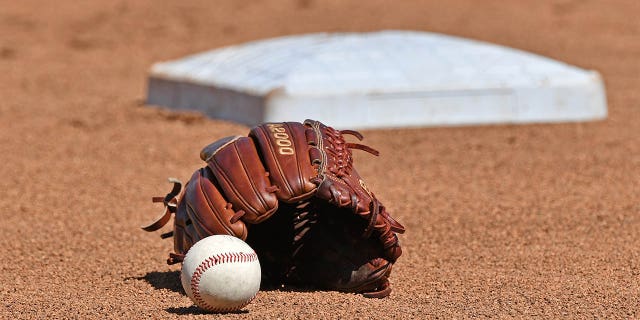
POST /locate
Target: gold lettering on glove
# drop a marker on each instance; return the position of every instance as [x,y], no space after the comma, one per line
[282,139]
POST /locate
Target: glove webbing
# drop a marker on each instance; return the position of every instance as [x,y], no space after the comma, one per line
[304,218]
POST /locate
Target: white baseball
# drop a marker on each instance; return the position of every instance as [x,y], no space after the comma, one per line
[221,273]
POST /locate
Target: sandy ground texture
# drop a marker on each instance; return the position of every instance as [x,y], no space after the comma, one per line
[535,221]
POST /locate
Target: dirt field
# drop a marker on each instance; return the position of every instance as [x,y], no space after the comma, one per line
[503,221]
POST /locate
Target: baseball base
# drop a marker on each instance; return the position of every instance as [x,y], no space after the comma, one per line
[221,273]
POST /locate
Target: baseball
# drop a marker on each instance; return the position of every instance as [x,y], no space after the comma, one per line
[221,273]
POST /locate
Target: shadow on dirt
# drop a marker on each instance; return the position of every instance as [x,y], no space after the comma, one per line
[195,310]
[163,280]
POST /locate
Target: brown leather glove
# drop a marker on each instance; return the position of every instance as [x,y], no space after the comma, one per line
[294,184]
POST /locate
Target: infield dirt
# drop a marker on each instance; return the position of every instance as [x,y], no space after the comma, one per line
[502,221]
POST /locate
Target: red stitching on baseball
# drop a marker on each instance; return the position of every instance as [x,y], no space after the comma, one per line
[209,263]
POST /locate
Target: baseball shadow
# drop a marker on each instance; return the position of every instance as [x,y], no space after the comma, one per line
[193,310]
[169,280]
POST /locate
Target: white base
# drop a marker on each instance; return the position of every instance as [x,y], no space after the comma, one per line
[378,80]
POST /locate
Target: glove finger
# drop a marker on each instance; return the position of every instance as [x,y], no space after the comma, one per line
[242,178]
[207,209]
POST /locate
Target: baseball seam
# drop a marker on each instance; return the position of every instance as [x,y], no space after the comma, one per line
[227,257]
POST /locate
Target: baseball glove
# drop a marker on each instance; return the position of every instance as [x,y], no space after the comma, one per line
[291,192]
